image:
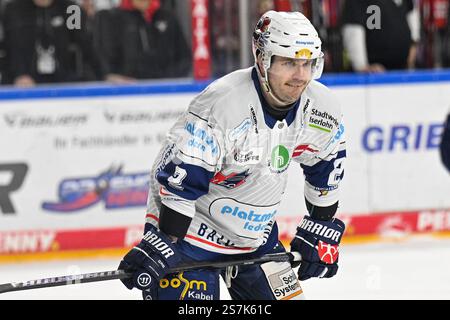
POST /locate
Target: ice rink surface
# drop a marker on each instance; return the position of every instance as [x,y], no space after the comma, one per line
[417,268]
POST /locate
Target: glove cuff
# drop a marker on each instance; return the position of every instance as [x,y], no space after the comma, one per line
[328,231]
[157,242]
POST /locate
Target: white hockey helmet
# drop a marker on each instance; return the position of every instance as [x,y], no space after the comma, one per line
[287,34]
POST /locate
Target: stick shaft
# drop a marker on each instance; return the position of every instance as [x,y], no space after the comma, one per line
[63,280]
[120,274]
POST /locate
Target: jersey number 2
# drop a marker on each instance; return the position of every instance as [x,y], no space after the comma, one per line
[336,175]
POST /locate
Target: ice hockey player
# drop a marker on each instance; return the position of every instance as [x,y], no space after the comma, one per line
[218,181]
[445,144]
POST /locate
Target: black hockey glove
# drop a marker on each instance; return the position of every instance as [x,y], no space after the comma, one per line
[318,243]
[150,260]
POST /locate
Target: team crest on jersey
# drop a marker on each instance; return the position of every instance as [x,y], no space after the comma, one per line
[232,180]
[279,159]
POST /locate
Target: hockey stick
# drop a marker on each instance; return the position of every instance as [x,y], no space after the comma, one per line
[120,274]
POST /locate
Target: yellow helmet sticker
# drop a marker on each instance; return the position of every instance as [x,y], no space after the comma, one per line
[303,53]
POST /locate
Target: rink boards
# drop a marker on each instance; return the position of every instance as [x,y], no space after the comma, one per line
[74,162]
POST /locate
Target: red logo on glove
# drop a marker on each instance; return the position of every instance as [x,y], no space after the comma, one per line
[328,253]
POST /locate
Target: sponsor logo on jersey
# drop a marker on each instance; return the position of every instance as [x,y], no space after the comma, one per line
[324,115]
[237,132]
[250,157]
[322,120]
[201,139]
[279,159]
[339,133]
[115,189]
[247,218]
[336,137]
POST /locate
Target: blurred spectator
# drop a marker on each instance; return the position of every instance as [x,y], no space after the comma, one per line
[386,45]
[88,7]
[445,144]
[40,46]
[263,6]
[92,6]
[325,16]
[434,49]
[3,62]
[3,4]
[141,40]
[224,27]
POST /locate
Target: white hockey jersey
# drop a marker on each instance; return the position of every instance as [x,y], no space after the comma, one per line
[224,161]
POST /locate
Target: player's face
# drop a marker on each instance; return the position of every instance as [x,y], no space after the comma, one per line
[141,5]
[43,3]
[289,77]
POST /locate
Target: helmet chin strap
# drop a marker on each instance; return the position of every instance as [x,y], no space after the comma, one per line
[269,91]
